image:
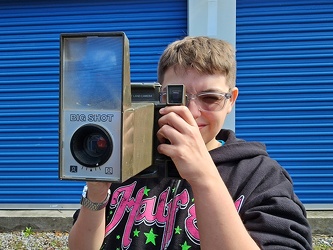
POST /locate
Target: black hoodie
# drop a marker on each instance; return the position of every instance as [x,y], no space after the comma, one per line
[147,213]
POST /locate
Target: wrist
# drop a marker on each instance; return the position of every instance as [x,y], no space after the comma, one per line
[97,197]
[94,204]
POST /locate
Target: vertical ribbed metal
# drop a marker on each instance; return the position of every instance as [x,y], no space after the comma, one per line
[285,77]
[29,81]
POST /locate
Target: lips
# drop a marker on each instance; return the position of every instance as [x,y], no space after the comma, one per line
[201,126]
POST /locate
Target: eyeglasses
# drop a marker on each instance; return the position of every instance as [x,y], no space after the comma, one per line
[208,101]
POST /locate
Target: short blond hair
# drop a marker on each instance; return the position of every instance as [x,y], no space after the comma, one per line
[204,54]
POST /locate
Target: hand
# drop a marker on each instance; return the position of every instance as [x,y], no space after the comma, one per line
[187,148]
[97,191]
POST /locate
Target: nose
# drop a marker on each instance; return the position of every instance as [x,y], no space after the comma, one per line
[193,107]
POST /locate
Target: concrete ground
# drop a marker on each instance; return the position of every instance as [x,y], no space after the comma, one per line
[61,220]
[321,222]
[38,220]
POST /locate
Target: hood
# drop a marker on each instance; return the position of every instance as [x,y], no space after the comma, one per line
[235,149]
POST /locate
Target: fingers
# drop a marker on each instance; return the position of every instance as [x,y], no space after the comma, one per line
[177,127]
[186,148]
[178,117]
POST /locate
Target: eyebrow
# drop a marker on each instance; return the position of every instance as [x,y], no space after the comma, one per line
[213,90]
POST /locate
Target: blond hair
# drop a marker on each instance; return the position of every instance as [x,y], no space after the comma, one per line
[203,54]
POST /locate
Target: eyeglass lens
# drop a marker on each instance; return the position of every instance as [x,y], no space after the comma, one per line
[204,101]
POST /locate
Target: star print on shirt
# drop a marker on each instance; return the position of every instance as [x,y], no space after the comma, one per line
[150,237]
[185,246]
[146,191]
[110,214]
[177,230]
[136,232]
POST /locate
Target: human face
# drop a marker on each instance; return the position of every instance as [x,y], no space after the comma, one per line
[209,122]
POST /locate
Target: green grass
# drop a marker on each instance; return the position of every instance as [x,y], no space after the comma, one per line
[322,247]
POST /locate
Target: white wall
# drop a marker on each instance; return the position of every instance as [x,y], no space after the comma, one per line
[214,18]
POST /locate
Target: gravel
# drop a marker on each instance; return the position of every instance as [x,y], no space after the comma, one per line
[322,242]
[28,240]
[34,241]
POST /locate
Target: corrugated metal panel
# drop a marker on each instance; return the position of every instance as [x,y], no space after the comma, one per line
[285,77]
[29,81]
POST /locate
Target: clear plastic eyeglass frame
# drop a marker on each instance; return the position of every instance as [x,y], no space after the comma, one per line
[208,101]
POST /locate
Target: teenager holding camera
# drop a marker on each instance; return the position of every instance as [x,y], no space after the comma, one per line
[232,195]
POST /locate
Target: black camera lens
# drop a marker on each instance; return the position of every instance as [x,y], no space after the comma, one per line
[91,145]
[95,145]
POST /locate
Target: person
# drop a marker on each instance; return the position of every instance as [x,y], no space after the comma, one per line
[231,194]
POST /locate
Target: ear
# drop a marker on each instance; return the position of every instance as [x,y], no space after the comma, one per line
[232,100]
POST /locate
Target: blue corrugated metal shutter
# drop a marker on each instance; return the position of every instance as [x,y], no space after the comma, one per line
[285,77]
[29,81]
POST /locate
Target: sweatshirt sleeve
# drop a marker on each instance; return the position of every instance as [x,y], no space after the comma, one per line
[273,214]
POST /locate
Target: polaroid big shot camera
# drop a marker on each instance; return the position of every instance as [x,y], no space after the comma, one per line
[103,134]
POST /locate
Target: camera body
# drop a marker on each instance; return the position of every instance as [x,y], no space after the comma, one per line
[108,126]
[162,166]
